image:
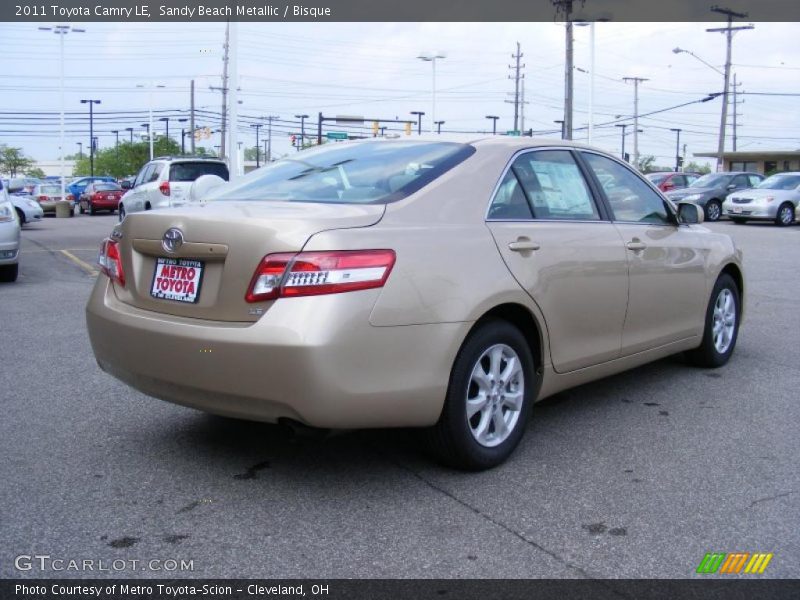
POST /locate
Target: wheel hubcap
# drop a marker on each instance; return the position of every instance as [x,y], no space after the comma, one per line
[786,215]
[724,321]
[713,211]
[494,395]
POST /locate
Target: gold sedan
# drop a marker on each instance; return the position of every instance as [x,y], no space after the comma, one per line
[429,283]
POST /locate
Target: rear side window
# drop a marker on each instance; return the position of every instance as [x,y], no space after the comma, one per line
[189,171]
[106,187]
[631,199]
[358,173]
[157,168]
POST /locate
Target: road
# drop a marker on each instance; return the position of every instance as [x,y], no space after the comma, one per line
[638,475]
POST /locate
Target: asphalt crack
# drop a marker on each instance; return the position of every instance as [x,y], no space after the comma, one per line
[768,498]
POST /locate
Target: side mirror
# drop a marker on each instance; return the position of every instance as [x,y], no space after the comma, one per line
[690,213]
[732,187]
[125,185]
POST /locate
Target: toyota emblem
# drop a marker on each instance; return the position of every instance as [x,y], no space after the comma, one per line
[172,240]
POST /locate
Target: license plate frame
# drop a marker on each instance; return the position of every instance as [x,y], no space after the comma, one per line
[190,271]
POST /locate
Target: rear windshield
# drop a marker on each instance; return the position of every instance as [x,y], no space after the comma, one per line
[780,182]
[50,189]
[106,187]
[358,173]
[189,171]
[712,180]
[656,177]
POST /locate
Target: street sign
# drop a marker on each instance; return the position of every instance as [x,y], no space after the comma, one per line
[336,135]
[513,132]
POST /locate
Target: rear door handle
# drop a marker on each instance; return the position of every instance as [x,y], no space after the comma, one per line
[523,246]
[636,245]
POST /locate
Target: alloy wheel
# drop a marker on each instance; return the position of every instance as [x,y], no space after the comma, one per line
[724,320]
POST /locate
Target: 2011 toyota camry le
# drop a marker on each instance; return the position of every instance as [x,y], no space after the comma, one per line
[427,282]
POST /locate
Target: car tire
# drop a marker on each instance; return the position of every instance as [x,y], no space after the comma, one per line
[480,441]
[721,325]
[21,216]
[9,273]
[92,210]
[80,209]
[713,210]
[738,220]
[121,212]
[785,215]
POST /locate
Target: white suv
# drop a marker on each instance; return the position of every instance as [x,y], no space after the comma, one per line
[166,181]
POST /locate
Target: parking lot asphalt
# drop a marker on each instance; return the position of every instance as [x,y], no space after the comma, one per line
[637,475]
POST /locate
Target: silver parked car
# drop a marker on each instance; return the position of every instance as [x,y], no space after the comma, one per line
[774,199]
[9,238]
[166,181]
[28,209]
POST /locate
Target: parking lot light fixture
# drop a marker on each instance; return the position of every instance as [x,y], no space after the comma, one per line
[61,31]
[91,103]
[494,123]
[149,87]
[130,130]
[432,57]
[418,114]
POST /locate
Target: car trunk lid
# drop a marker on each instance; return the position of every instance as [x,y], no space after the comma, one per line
[208,274]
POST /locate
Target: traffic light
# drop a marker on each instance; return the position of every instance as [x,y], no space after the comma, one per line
[408,128]
[627,157]
[680,161]
[375,128]
[293,138]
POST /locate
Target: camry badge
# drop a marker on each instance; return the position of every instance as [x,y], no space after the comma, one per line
[172,240]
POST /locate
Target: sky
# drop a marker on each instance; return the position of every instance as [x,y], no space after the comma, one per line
[372,70]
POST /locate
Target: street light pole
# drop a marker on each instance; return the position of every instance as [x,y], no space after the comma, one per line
[494,123]
[302,130]
[677,148]
[183,135]
[257,126]
[91,104]
[61,31]
[166,120]
[268,151]
[419,114]
[130,130]
[432,58]
[150,87]
[80,150]
[439,126]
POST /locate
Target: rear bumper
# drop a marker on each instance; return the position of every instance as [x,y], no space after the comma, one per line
[104,204]
[316,360]
[9,249]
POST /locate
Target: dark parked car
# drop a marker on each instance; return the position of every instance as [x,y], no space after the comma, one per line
[670,180]
[710,191]
[100,195]
[77,186]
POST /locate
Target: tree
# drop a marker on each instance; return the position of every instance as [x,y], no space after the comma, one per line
[12,160]
[646,162]
[35,172]
[125,159]
[693,167]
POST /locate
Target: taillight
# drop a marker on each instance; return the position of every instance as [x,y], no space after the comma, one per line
[110,260]
[70,197]
[97,197]
[313,273]
[164,188]
[43,198]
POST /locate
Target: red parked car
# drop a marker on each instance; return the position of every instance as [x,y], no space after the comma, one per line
[667,181]
[100,195]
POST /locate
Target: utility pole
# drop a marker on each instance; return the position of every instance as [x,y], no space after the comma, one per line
[728,31]
[565,8]
[677,148]
[636,81]
[234,160]
[191,114]
[257,126]
[224,89]
[517,77]
[622,152]
[736,104]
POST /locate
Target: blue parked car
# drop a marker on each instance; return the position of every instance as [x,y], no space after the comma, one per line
[76,186]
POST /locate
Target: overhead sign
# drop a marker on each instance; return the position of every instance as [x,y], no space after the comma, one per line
[513,132]
[336,135]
